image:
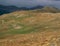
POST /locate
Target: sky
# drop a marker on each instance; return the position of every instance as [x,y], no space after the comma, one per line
[31,3]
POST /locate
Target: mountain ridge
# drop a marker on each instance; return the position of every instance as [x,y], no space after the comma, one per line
[8,9]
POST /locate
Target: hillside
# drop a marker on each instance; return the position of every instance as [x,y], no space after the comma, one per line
[29,28]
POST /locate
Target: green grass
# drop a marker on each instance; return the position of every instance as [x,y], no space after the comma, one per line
[29,29]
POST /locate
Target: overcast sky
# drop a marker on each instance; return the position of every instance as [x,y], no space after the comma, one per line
[30,3]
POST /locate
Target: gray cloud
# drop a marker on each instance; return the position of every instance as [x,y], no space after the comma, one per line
[30,3]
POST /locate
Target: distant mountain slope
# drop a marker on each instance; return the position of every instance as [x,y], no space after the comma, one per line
[8,9]
[48,9]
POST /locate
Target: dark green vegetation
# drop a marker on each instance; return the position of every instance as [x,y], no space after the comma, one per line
[43,9]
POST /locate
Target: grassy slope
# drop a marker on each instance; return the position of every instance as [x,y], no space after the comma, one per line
[26,22]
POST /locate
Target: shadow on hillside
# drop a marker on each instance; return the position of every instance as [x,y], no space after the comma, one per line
[10,9]
[6,12]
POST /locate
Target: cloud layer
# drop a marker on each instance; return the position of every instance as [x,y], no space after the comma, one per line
[30,3]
